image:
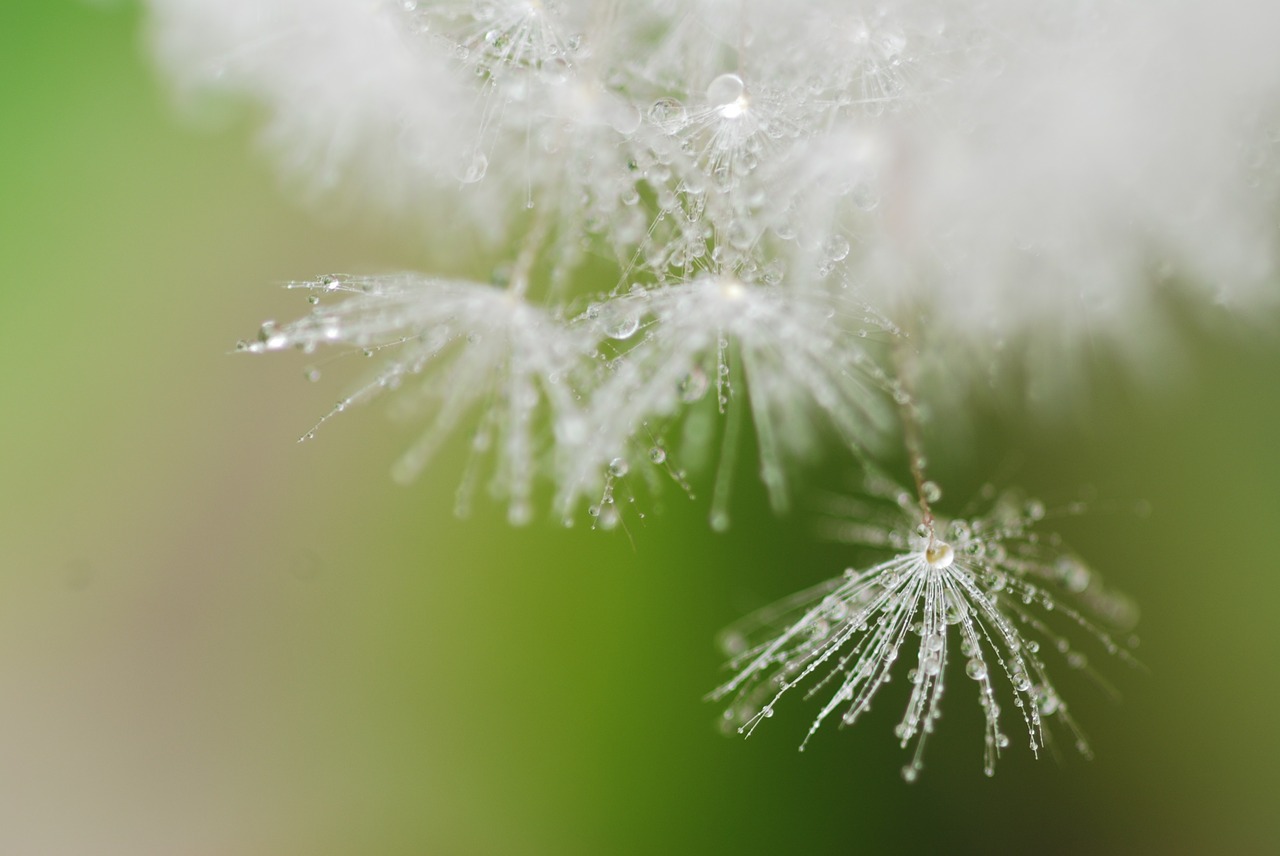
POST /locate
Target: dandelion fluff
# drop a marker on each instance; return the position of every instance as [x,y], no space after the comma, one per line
[994,594]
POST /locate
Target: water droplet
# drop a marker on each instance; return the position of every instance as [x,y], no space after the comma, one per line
[910,773]
[623,327]
[720,521]
[694,386]
[618,467]
[657,454]
[864,196]
[270,338]
[931,491]
[939,555]
[311,373]
[1048,701]
[975,668]
[473,168]
[668,114]
[836,248]
[1072,573]
[733,643]
[727,93]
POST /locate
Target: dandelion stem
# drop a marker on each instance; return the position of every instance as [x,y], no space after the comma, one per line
[911,438]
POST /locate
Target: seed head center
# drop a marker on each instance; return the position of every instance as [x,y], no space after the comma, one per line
[939,555]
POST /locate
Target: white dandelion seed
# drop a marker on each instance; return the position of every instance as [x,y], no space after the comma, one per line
[452,350]
[987,590]
[779,353]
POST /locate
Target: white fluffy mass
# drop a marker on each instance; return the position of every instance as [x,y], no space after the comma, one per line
[996,179]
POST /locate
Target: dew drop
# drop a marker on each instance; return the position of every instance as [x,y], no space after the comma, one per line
[657,454]
[668,114]
[694,386]
[836,248]
[623,327]
[727,93]
[473,168]
[865,197]
[270,338]
[1072,573]
[931,491]
[1048,701]
[618,467]
[975,668]
[939,555]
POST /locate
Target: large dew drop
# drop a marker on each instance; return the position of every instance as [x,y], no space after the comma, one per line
[621,326]
[727,93]
[939,555]
[668,114]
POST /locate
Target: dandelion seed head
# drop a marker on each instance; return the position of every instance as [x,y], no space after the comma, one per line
[995,600]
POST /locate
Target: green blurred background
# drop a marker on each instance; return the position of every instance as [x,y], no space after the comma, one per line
[216,641]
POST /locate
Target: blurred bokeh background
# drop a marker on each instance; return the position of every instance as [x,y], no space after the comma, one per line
[214,640]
